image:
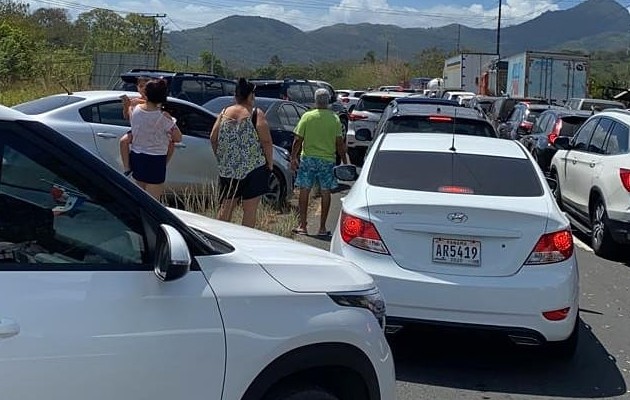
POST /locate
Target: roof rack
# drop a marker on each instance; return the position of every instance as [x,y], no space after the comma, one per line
[617,110]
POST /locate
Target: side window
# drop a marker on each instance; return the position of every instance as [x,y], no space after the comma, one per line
[599,136]
[191,90]
[229,88]
[309,93]
[617,142]
[292,115]
[110,113]
[49,214]
[583,136]
[301,110]
[212,89]
[190,121]
[294,93]
[516,115]
[541,124]
[283,117]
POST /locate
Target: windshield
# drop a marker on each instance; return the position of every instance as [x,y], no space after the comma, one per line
[439,124]
[373,103]
[469,174]
[46,104]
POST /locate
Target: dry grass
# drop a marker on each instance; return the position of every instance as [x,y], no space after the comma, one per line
[205,202]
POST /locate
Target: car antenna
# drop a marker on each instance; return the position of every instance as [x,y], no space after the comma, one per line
[65,88]
[453,139]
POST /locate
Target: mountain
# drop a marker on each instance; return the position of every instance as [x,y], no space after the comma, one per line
[252,41]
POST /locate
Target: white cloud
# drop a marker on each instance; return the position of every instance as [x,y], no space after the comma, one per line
[187,14]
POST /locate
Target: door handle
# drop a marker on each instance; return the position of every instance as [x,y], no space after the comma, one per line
[106,135]
[180,145]
[8,328]
[574,161]
[592,165]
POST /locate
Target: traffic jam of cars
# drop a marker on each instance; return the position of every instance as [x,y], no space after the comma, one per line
[461,210]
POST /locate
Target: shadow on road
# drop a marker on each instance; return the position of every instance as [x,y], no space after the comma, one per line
[622,255]
[482,363]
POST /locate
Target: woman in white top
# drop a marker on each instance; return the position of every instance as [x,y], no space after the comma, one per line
[153,130]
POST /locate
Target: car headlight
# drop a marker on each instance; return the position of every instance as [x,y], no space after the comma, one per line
[284,153]
[371,300]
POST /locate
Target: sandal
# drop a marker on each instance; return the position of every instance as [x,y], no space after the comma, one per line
[299,231]
[326,234]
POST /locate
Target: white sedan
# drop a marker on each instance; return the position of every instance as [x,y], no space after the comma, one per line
[463,230]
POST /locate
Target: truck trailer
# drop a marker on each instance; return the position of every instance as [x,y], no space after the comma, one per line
[463,72]
[550,76]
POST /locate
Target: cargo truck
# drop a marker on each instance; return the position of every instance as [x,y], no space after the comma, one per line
[463,72]
[551,76]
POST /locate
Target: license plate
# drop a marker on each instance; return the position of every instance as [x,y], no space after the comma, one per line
[456,251]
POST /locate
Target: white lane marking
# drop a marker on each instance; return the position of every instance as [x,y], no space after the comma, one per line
[582,245]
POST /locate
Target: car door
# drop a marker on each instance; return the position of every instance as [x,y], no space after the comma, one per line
[569,162]
[108,126]
[538,131]
[194,164]
[505,130]
[288,118]
[587,162]
[82,312]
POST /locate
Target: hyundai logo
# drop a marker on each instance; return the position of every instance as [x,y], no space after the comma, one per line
[457,217]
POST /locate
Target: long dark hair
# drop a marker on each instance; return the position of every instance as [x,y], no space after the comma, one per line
[243,90]
[156,91]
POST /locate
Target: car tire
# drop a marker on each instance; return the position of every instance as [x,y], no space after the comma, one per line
[302,393]
[557,194]
[277,194]
[601,240]
[564,349]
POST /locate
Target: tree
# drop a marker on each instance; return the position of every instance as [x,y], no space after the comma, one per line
[105,31]
[208,60]
[17,54]
[55,26]
[275,61]
[370,57]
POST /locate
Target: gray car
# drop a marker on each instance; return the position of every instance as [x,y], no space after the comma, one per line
[94,120]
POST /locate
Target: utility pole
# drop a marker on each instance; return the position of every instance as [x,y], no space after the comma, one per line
[156,37]
[212,39]
[499,32]
[459,36]
[387,53]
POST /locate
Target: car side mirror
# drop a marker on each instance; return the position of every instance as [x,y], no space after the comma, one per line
[562,143]
[351,108]
[346,172]
[172,256]
[363,135]
[553,184]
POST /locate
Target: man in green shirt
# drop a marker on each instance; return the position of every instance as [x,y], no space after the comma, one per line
[318,140]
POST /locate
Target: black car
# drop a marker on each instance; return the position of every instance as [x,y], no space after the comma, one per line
[282,116]
[195,87]
[550,125]
[502,107]
[301,91]
[522,119]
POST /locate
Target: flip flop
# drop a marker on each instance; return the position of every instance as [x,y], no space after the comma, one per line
[326,234]
[299,231]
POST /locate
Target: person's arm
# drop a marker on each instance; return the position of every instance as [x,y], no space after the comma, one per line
[295,152]
[264,136]
[214,134]
[341,143]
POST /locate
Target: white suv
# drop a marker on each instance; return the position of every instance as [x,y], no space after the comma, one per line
[105,294]
[593,174]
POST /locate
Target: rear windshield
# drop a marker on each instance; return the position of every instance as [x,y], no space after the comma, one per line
[455,173]
[373,103]
[570,125]
[46,104]
[532,115]
[274,91]
[439,124]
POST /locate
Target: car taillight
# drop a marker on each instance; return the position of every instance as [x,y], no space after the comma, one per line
[456,189]
[439,118]
[356,117]
[624,174]
[345,100]
[361,234]
[552,248]
[557,315]
[551,138]
[526,126]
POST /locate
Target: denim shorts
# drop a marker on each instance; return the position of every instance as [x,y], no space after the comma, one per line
[316,170]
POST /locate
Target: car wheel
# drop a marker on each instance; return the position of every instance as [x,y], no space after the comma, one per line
[277,189]
[557,193]
[564,349]
[302,393]
[601,239]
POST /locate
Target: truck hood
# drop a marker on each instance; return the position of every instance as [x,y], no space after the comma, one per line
[296,266]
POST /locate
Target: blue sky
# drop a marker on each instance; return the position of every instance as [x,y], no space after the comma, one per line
[312,14]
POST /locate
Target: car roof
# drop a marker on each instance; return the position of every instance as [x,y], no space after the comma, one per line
[455,111]
[623,115]
[442,143]
[9,114]
[156,73]
[565,112]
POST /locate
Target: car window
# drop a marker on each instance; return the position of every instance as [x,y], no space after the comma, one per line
[294,93]
[465,173]
[273,91]
[430,124]
[291,115]
[211,90]
[229,89]
[570,124]
[516,115]
[283,117]
[190,121]
[540,126]
[46,104]
[532,115]
[107,113]
[53,215]
[617,142]
[583,136]
[373,103]
[309,93]
[599,136]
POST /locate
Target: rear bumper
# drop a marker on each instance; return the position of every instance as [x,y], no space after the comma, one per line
[515,302]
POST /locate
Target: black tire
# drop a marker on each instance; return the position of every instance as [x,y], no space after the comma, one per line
[558,192]
[277,195]
[564,349]
[301,393]
[602,242]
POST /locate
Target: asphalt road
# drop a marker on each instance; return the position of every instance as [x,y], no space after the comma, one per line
[433,364]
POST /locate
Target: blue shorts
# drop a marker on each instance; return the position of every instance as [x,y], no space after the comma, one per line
[314,170]
[147,168]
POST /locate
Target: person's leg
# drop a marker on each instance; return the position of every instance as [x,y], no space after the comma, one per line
[250,207]
[325,210]
[125,142]
[303,208]
[143,185]
[155,190]
[327,182]
[304,181]
[227,209]
[228,197]
[170,152]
